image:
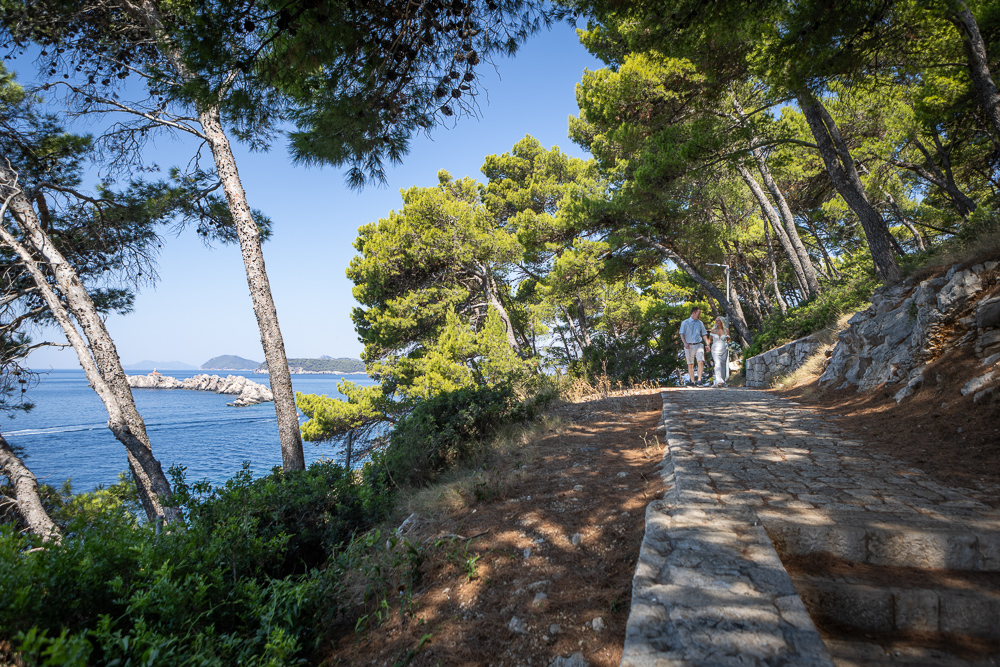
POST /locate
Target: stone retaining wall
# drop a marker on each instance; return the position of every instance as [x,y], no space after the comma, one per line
[763,369]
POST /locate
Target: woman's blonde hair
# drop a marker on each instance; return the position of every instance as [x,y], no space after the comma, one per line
[720,325]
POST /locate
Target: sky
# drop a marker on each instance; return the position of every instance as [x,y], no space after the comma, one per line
[200,307]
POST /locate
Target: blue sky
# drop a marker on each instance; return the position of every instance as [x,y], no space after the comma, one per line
[201,307]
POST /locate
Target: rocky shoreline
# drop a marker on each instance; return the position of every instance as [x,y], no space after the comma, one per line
[248,391]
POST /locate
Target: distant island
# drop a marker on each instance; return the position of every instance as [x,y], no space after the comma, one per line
[322,365]
[146,364]
[229,362]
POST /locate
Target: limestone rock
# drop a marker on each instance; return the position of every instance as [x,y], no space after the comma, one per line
[981,396]
[976,384]
[910,324]
[911,387]
[963,284]
[517,626]
[598,624]
[410,524]
[249,392]
[988,340]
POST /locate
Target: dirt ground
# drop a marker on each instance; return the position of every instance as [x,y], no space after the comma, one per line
[525,571]
[938,430]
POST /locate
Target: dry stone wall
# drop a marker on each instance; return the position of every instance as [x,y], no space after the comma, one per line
[765,368]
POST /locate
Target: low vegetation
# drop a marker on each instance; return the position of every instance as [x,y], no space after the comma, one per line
[254,571]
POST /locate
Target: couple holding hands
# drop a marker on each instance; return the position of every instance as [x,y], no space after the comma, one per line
[696,340]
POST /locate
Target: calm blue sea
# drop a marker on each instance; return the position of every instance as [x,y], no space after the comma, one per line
[66,435]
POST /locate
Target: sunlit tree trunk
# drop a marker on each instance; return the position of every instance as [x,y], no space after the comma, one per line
[29,504]
[840,166]
[97,355]
[772,217]
[780,300]
[493,298]
[784,212]
[292,456]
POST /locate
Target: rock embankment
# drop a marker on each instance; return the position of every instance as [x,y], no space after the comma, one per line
[912,323]
[249,392]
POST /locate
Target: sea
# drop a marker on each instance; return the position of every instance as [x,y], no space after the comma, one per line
[65,437]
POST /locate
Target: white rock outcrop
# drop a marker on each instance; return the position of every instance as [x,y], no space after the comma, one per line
[914,322]
[248,391]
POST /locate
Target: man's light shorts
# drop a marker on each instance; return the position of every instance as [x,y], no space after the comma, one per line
[694,353]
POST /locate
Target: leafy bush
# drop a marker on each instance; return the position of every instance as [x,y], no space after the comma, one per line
[627,359]
[235,582]
[446,428]
[286,522]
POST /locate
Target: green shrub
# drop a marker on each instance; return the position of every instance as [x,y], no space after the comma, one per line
[851,293]
[236,582]
[447,428]
[287,522]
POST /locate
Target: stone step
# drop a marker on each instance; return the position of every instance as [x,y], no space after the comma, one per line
[857,652]
[906,540]
[709,589]
[891,609]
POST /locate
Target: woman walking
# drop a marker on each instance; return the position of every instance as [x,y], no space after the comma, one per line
[720,350]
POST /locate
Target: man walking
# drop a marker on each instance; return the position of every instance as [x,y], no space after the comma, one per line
[695,339]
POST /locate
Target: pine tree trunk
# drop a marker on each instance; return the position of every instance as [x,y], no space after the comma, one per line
[772,216]
[834,273]
[979,64]
[29,504]
[788,220]
[584,327]
[782,305]
[840,166]
[123,420]
[917,236]
[493,298]
[734,298]
[292,456]
[572,328]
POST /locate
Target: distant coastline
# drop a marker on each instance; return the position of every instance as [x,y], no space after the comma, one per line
[321,366]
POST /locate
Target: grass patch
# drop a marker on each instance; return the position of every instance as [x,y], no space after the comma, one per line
[964,249]
[478,477]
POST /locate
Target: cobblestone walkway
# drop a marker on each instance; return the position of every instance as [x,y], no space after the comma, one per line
[709,588]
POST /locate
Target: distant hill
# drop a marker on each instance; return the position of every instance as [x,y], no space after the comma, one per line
[162,365]
[322,365]
[229,362]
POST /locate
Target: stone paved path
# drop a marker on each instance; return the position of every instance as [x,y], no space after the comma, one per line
[708,588]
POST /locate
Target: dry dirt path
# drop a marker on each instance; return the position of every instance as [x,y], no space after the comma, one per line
[893,566]
[528,562]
